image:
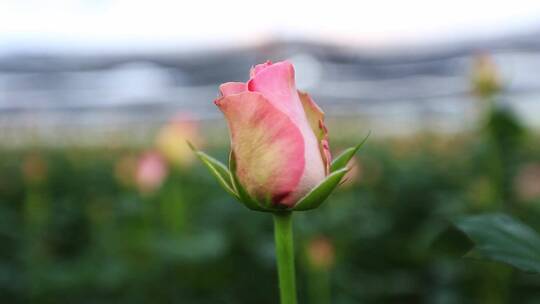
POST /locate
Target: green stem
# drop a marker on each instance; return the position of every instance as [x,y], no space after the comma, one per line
[285,257]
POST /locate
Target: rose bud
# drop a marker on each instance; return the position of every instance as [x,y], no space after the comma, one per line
[280,157]
[278,136]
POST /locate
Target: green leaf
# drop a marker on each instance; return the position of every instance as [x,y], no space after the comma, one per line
[318,194]
[243,196]
[218,169]
[343,159]
[501,238]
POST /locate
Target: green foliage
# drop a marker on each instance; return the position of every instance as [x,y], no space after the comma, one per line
[80,235]
[501,238]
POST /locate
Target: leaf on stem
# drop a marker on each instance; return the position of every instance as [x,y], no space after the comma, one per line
[501,238]
[218,169]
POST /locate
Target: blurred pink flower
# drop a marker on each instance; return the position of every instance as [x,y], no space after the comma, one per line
[354,175]
[278,137]
[151,172]
[321,253]
[527,182]
[34,168]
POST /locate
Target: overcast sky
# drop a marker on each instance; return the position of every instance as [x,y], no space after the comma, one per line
[130,25]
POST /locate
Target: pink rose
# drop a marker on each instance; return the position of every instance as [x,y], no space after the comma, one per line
[278,137]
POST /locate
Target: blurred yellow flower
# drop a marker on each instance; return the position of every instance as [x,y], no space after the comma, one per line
[485,79]
[171,140]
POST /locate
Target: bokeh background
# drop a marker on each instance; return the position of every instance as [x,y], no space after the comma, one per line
[102,202]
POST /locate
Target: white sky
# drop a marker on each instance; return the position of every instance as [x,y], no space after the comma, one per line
[130,25]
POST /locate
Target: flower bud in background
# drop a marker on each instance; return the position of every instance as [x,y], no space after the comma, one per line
[124,170]
[278,137]
[485,78]
[34,168]
[527,182]
[321,253]
[171,140]
[151,172]
[354,175]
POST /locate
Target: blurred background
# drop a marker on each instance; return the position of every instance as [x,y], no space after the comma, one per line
[102,202]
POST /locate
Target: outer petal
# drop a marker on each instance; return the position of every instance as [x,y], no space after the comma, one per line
[315,117]
[229,88]
[259,67]
[268,147]
[276,83]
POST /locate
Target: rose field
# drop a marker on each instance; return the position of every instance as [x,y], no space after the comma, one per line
[76,228]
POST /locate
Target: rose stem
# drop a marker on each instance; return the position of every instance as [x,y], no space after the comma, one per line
[285,256]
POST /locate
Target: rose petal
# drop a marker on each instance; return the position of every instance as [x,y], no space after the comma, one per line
[276,83]
[232,88]
[315,117]
[259,67]
[268,147]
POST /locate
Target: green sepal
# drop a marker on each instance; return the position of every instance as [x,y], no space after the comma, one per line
[319,194]
[343,159]
[243,196]
[218,169]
